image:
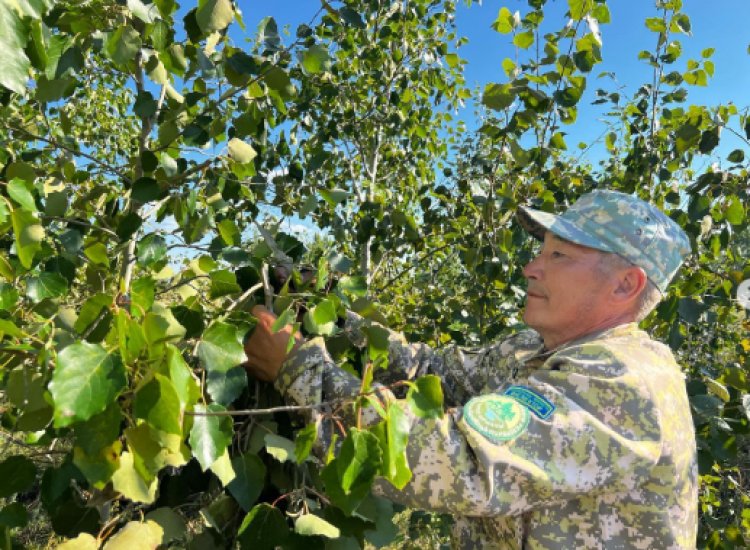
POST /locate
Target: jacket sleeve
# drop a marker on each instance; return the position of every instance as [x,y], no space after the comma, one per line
[602,433]
[464,371]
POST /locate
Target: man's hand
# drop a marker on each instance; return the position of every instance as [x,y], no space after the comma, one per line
[266,350]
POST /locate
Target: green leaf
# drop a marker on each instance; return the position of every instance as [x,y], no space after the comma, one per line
[97,252]
[159,327]
[226,386]
[286,318]
[19,192]
[579,8]
[354,285]
[524,39]
[29,234]
[8,296]
[250,477]
[709,141]
[425,397]
[334,196]
[278,80]
[321,319]
[357,461]
[123,44]
[717,389]
[95,317]
[384,531]
[99,431]
[738,155]
[505,23]
[222,468]
[18,474]
[183,379]
[352,18]
[151,250]
[14,65]
[153,450]
[98,467]
[349,476]
[146,190]
[312,525]
[143,292]
[210,435]
[735,213]
[498,96]
[746,405]
[304,442]
[240,151]
[46,285]
[223,282]
[281,448]
[136,534]
[14,515]
[221,348]
[263,528]
[131,339]
[229,232]
[656,24]
[147,14]
[83,541]
[158,404]
[171,522]
[127,481]
[86,380]
[315,59]
[396,436]
[214,15]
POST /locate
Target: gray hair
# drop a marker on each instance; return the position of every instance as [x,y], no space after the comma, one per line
[649,297]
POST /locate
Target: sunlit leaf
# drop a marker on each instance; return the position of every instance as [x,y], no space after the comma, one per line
[210,435]
[86,379]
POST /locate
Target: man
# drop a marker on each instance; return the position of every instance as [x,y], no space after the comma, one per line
[576,434]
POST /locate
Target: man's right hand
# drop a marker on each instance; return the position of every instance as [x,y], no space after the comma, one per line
[265,349]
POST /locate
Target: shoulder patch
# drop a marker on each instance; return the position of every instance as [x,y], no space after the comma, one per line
[534,401]
[497,417]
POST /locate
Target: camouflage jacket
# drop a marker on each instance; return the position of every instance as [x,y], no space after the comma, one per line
[590,445]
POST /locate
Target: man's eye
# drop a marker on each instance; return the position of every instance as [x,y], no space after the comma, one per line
[556,254]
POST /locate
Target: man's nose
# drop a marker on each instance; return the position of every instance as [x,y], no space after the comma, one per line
[531,269]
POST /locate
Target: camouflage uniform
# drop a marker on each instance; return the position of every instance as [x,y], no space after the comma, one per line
[613,465]
[589,445]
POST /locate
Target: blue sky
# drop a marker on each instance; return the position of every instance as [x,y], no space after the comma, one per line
[720,24]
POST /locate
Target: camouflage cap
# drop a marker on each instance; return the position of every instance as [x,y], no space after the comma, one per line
[622,224]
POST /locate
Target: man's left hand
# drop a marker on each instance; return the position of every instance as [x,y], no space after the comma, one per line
[267,350]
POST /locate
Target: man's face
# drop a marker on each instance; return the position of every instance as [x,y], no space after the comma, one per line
[567,294]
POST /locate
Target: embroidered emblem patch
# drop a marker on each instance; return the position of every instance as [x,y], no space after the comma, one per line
[496,417]
[535,402]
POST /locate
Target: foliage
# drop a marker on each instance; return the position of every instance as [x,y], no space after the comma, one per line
[144,151]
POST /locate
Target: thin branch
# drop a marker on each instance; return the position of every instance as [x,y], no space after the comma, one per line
[273,410]
[72,151]
[245,295]
[181,283]
[267,288]
[82,224]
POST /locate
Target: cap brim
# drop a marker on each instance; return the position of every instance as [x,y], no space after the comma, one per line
[538,223]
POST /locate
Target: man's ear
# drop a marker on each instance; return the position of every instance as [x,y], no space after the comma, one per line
[630,283]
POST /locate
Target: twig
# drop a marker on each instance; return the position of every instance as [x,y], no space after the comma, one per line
[95,323]
[267,289]
[245,295]
[59,145]
[182,283]
[273,410]
[82,224]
